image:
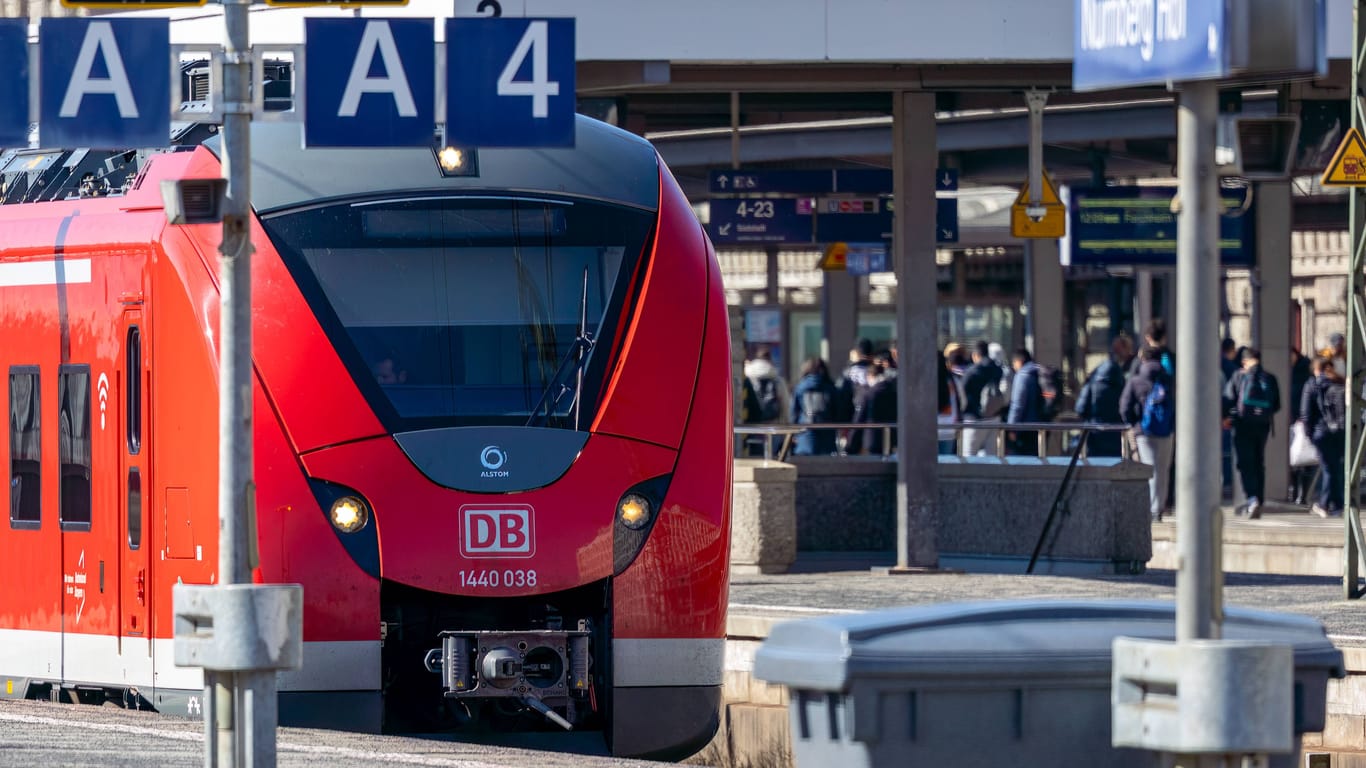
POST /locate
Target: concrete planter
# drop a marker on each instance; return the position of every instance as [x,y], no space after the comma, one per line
[763,516]
[990,514]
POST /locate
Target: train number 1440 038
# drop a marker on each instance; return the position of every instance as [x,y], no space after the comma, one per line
[495,578]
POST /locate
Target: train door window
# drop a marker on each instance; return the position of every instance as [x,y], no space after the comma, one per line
[134,508]
[73,443]
[25,509]
[133,386]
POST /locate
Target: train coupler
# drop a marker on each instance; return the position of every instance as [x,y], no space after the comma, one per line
[540,669]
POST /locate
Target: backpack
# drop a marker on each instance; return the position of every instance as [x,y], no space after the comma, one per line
[993,399]
[770,409]
[816,406]
[1050,388]
[1159,417]
[1256,398]
[749,403]
[1333,396]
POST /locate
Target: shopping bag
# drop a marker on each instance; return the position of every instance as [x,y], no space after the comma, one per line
[1302,450]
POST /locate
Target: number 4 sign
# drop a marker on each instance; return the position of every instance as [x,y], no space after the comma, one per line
[510,82]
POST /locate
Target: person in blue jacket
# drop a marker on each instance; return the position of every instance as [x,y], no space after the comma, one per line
[813,402]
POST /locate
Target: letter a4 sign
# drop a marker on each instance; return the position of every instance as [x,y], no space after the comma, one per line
[105,83]
[369,83]
[1348,166]
[510,82]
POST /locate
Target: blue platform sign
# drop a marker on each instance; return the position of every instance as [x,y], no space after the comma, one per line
[510,82]
[106,83]
[772,221]
[369,82]
[1136,226]
[1121,43]
[14,85]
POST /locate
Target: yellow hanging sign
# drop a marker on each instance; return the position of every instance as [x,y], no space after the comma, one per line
[1051,225]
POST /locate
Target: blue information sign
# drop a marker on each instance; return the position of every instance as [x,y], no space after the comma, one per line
[866,259]
[14,86]
[946,220]
[1119,43]
[510,82]
[800,182]
[369,82]
[1135,225]
[857,181]
[748,220]
[106,83]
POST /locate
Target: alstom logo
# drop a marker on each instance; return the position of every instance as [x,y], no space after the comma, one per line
[497,531]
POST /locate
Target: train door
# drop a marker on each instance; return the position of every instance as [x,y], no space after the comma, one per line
[135,572]
[84,603]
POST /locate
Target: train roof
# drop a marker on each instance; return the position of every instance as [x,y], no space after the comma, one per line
[605,163]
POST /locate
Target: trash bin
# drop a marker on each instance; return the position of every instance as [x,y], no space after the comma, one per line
[1020,683]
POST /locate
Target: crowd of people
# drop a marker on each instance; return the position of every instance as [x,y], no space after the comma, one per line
[978,386]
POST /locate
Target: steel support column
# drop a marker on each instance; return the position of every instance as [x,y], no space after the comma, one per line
[914,159]
[1356,333]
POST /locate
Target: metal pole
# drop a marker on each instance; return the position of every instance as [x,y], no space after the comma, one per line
[1356,295]
[1198,583]
[1036,101]
[236,739]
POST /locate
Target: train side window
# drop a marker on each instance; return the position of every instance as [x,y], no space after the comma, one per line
[73,445]
[133,386]
[25,447]
[134,508]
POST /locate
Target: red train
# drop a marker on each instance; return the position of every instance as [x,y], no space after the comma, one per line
[492,433]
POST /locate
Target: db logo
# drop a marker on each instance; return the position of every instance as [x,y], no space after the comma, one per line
[497,531]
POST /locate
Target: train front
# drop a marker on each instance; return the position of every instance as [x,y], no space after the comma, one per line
[502,380]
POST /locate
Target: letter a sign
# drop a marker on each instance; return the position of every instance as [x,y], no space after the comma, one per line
[106,83]
[369,82]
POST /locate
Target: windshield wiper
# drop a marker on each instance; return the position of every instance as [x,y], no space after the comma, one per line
[571,366]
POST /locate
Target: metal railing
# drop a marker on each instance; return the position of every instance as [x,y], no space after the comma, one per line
[1000,429]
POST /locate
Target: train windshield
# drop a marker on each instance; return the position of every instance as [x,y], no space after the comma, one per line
[454,311]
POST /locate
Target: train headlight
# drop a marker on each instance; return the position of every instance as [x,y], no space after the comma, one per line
[349,514]
[634,511]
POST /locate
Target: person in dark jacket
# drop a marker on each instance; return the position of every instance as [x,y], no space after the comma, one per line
[1229,363]
[983,399]
[881,405]
[851,392]
[1252,398]
[1153,449]
[1300,376]
[1026,403]
[1155,337]
[1098,402]
[1323,407]
[813,402]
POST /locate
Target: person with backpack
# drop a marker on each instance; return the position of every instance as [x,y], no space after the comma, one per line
[769,390]
[1252,398]
[813,402]
[1098,402]
[1147,404]
[1323,408]
[983,400]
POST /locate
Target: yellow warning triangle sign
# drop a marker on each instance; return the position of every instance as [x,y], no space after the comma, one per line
[1348,166]
[836,257]
[1049,196]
